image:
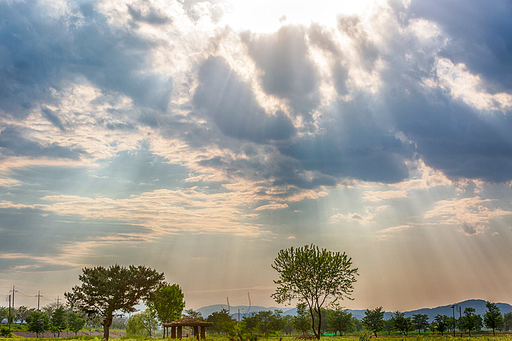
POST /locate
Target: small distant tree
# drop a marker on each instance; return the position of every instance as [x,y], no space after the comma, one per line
[302,321]
[388,326]
[440,324]
[420,322]
[288,326]
[313,276]
[507,321]
[38,322]
[340,321]
[220,320]
[59,320]
[135,326]
[167,302]
[470,321]
[194,314]
[493,318]
[374,320]
[403,324]
[23,313]
[75,322]
[107,290]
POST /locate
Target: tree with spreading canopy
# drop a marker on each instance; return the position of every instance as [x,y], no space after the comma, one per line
[420,322]
[106,290]
[75,322]
[441,323]
[313,276]
[167,302]
[374,319]
[403,324]
[38,322]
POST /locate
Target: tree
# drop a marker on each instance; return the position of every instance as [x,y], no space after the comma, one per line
[219,319]
[22,313]
[388,326]
[107,290]
[135,326]
[167,302]
[493,318]
[374,320]
[340,321]
[420,322]
[403,324]
[59,320]
[194,314]
[441,323]
[288,326]
[470,321]
[507,321]
[302,321]
[75,322]
[38,322]
[312,276]
[149,321]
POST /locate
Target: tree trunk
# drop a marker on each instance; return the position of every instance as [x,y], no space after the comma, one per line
[107,322]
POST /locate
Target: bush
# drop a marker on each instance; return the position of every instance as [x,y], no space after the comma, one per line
[365,336]
[5,332]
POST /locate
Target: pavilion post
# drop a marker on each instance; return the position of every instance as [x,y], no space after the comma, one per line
[203,332]
[180,332]
[173,332]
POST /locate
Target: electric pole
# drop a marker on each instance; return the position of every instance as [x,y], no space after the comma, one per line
[9,318]
[57,299]
[38,298]
[13,291]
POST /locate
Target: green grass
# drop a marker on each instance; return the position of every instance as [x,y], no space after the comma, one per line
[354,337]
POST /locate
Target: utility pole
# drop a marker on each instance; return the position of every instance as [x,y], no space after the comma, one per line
[9,318]
[57,299]
[13,291]
[38,299]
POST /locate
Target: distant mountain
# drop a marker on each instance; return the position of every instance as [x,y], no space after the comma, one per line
[478,305]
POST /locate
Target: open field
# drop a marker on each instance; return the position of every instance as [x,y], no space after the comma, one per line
[291,338]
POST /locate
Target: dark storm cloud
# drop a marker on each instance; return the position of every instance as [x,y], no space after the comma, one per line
[13,143]
[354,145]
[38,55]
[480,36]
[231,103]
[455,138]
[286,69]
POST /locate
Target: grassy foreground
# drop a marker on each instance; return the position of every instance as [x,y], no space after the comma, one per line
[284,338]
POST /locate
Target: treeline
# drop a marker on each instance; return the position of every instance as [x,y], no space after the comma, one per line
[467,322]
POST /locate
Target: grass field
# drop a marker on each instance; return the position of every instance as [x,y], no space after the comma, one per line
[290,338]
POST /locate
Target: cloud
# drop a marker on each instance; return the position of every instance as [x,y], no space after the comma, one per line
[39,57]
[233,107]
[352,145]
[480,36]
[472,215]
[286,68]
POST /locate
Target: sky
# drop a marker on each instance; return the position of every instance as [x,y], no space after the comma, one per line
[199,138]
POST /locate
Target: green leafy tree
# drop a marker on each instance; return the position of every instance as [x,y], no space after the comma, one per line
[107,290]
[313,276]
[288,324]
[38,322]
[440,324]
[420,322]
[23,313]
[220,320]
[194,314]
[135,326]
[507,321]
[403,324]
[250,323]
[493,318]
[470,321]
[149,321]
[340,321]
[388,326]
[374,320]
[75,322]
[167,302]
[302,321]
[4,313]
[59,320]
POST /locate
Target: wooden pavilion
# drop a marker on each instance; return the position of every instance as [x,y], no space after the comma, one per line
[177,327]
